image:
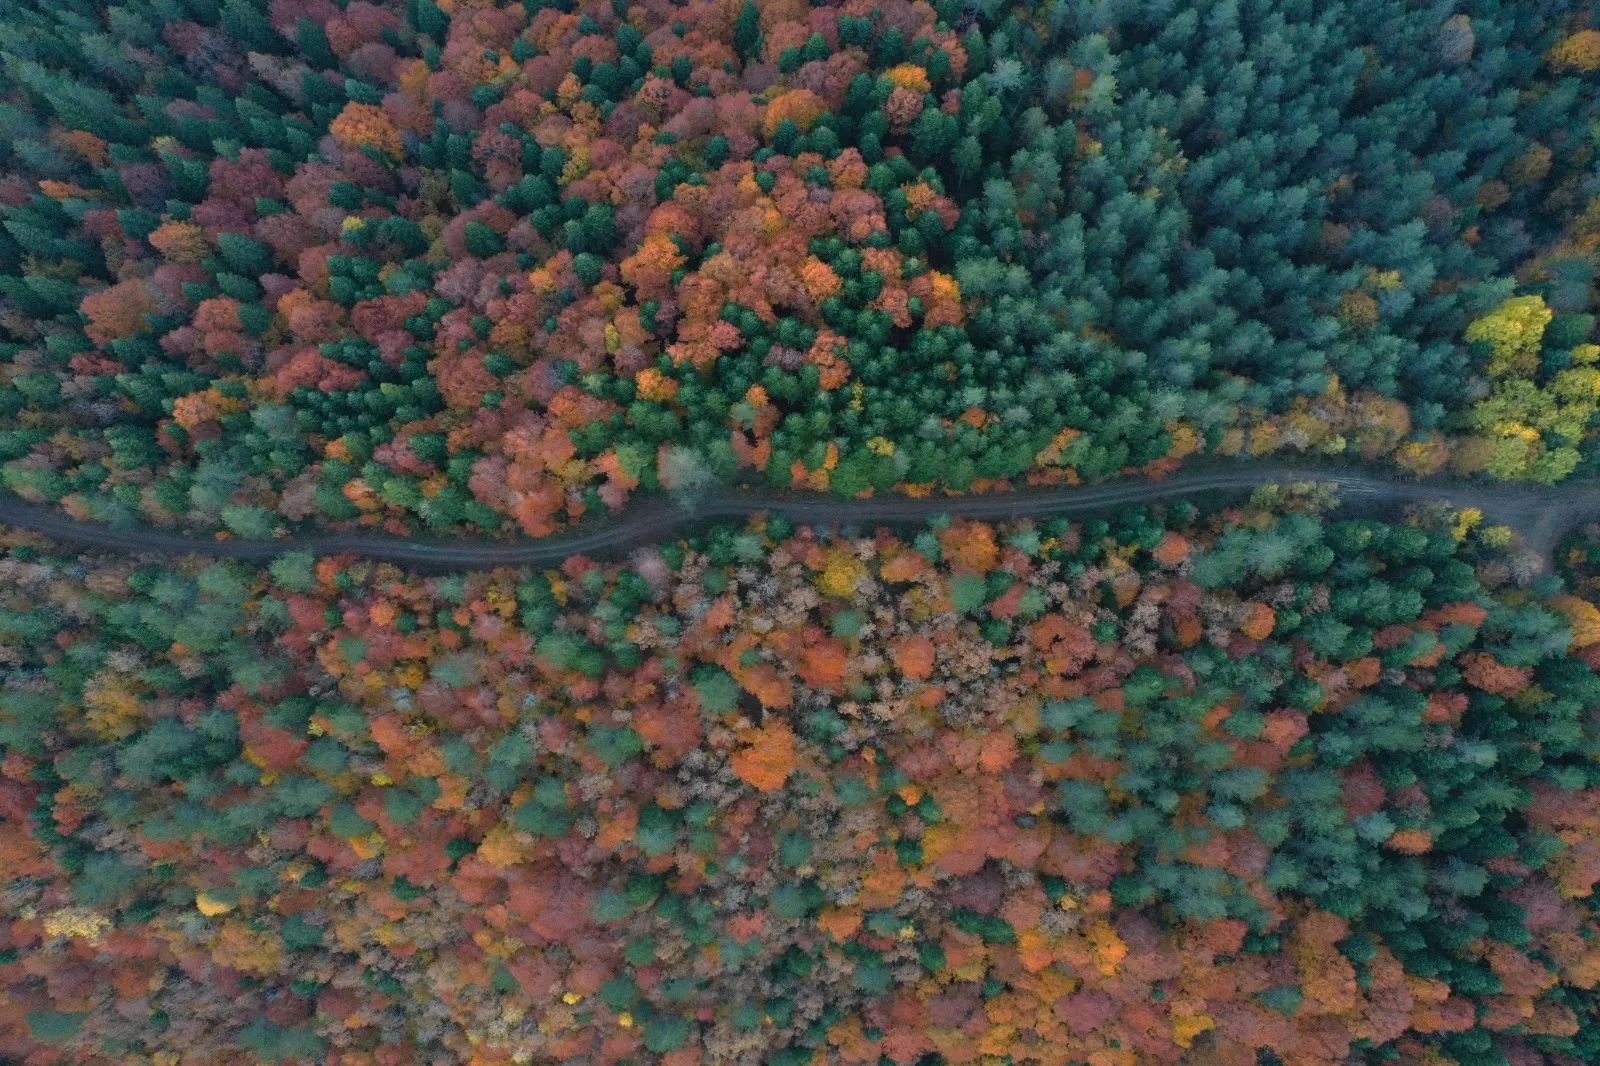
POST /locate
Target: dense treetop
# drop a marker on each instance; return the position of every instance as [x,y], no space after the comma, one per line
[1255,788]
[484,265]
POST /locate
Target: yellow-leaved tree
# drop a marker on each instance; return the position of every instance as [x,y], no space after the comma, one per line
[1525,429]
[1513,332]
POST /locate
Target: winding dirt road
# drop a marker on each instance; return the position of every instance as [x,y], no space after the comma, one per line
[1540,514]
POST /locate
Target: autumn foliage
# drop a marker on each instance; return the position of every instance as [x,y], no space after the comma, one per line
[1060,793]
[766,756]
[494,267]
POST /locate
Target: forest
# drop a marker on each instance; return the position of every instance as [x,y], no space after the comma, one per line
[478,266]
[1258,786]
[1267,784]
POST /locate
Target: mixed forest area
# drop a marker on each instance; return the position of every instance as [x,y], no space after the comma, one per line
[1186,785]
[1256,787]
[498,266]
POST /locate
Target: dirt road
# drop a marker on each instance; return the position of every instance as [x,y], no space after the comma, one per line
[1540,514]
